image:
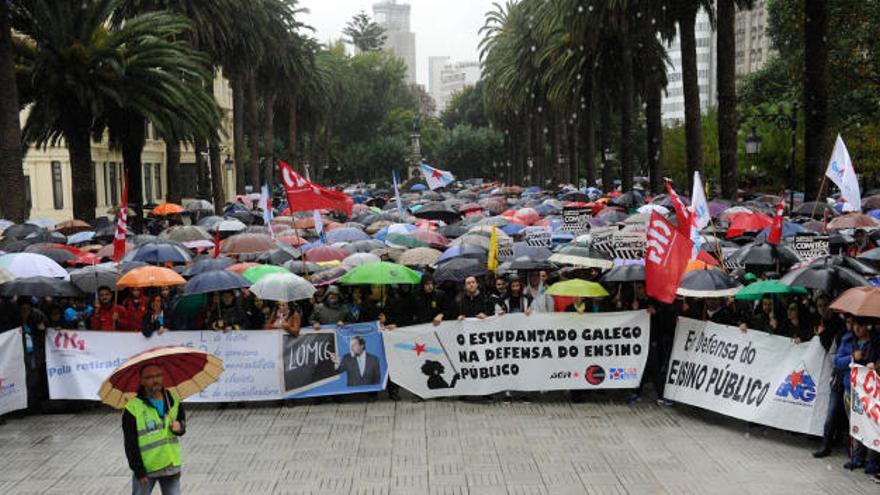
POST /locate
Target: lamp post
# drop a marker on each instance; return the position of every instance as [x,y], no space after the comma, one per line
[607,181]
[784,121]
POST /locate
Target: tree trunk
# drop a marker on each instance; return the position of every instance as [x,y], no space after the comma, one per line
[692,112]
[627,93]
[218,194]
[815,94]
[574,153]
[292,130]
[238,117]
[12,202]
[559,170]
[79,148]
[727,140]
[605,140]
[132,138]
[252,123]
[172,170]
[269,138]
[587,119]
[654,125]
[200,147]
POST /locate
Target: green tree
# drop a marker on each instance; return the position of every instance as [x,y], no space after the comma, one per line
[365,34]
[466,107]
[469,151]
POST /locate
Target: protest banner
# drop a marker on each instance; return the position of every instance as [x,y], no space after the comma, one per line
[752,375]
[602,239]
[538,236]
[576,220]
[13,379]
[255,366]
[810,247]
[864,418]
[542,351]
[346,360]
[629,244]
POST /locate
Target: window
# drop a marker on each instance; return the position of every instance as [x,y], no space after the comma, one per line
[111,181]
[157,172]
[28,200]
[57,186]
[148,183]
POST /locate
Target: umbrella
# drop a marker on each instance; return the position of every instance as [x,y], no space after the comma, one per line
[524,263]
[159,252]
[39,287]
[756,291]
[452,231]
[789,229]
[205,265]
[625,273]
[859,301]
[186,233]
[650,208]
[363,246]
[854,264]
[853,221]
[577,288]
[764,254]
[283,287]
[815,209]
[422,256]
[246,244]
[433,238]
[382,273]
[825,277]
[200,205]
[5,276]
[229,225]
[346,234]
[418,187]
[256,273]
[741,223]
[707,284]
[81,237]
[325,253]
[359,259]
[150,276]
[240,268]
[20,231]
[185,371]
[167,209]
[88,279]
[471,251]
[69,227]
[459,269]
[582,256]
[55,252]
[404,241]
[327,276]
[438,211]
[45,223]
[215,281]
[299,267]
[107,251]
[23,265]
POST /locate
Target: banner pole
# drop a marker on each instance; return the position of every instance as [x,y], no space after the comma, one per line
[445,352]
[818,195]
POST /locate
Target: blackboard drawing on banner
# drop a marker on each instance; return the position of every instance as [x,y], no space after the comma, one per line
[359,366]
[308,360]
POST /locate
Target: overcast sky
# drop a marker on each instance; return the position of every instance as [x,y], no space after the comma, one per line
[442,27]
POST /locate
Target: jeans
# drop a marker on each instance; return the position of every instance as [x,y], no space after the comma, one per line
[170,485]
[836,413]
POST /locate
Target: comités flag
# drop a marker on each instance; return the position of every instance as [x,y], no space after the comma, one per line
[775,234]
[121,224]
[435,177]
[682,216]
[303,195]
[666,257]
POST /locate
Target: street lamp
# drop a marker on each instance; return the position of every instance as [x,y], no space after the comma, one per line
[753,142]
[229,163]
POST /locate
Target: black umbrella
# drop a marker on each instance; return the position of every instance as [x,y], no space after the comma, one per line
[208,265]
[40,287]
[215,281]
[575,196]
[524,263]
[363,246]
[275,257]
[299,267]
[459,269]
[452,231]
[763,253]
[815,209]
[21,230]
[438,211]
[825,277]
[631,199]
[625,273]
[707,284]
[534,252]
[871,256]
[853,264]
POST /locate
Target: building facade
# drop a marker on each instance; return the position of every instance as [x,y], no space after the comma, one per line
[454,77]
[394,18]
[48,175]
[753,47]
[673,98]
[435,67]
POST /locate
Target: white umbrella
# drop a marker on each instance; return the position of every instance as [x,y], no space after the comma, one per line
[283,287]
[649,208]
[46,223]
[359,259]
[230,226]
[6,276]
[22,265]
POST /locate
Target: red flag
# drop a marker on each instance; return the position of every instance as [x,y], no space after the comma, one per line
[121,224]
[775,235]
[303,195]
[217,241]
[666,258]
[682,215]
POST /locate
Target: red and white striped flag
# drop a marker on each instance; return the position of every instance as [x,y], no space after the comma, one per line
[121,224]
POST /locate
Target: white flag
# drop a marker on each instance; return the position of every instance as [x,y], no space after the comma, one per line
[698,203]
[841,172]
[265,204]
[319,224]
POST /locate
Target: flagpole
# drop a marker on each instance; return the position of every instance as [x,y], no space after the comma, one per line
[818,195]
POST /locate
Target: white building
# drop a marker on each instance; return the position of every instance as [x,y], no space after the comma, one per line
[673,98]
[454,77]
[435,67]
[753,47]
[394,17]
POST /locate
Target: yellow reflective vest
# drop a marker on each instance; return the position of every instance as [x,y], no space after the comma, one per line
[159,446]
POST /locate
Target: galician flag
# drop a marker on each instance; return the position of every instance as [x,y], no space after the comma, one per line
[265,204]
[121,224]
[699,214]
[435,177]
[841,172]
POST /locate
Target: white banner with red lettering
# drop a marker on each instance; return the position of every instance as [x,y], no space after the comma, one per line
[13,380]
[752,375]
[864,418]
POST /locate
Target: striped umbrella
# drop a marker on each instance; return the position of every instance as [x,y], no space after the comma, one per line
[186,371]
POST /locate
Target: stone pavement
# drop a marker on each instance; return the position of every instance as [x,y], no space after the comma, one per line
[550,446]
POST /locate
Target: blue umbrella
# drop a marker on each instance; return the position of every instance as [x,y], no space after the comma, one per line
[81,237]
[398,228]
[159,252]
[789,229]
[512,229]
[532,190]
[418,187]
[346,234]
[215,281]
[875,213]
[465,251]
[360,198]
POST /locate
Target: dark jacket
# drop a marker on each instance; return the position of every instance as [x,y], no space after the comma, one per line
[848,345]
[470,307]
[372,373]
[427,306]
[130,436]
[152,326]
[231,316]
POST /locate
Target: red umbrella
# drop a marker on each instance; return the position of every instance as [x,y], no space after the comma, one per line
[747,222]
[185,370]
[239,268]
[528,216]
[325,253]
[859,301]
[433,238]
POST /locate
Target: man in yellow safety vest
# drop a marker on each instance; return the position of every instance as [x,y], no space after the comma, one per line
[151,424]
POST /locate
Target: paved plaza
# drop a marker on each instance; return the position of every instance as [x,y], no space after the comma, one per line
[548,446]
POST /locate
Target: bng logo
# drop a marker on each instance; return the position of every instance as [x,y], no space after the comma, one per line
[6,387]
[799,386]
[69,340]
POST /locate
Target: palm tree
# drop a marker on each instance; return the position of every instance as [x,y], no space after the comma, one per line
[12,201]
[365,34]
[815,93]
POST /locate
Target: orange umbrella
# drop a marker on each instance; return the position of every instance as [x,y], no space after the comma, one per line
[150,276]
[185,370]
[859,301]
[167,209]
[239,268]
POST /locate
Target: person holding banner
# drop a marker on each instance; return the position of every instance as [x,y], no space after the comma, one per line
[109,316]
[430,302]
[473,303]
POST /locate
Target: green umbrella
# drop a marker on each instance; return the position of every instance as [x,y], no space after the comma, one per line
[190,304]
[755,291]
[383,273]
[404,241]
[577,288]
[255,273]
